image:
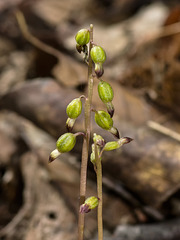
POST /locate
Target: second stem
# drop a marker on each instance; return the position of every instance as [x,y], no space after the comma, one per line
[99,193]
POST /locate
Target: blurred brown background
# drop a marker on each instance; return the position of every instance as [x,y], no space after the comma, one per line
[41,72]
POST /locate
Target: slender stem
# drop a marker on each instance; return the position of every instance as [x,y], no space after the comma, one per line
[85,148]
[99,193]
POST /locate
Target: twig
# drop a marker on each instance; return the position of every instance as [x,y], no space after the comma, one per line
[128,197]
[160,33]
[167,31]
[164,130]
[33,40]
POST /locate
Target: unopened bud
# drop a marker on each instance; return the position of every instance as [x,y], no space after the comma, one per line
[104,120]
[89,204]
[105,92]
[98,54]
[70,123]
[106,95]
[74,108]
[99,69]
[79,48]
[53,155]
[125,140]
[115,132]
[66,142]
[82,37]
[109,146]
[110,108]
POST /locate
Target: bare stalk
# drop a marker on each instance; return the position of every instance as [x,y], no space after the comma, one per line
[85,148]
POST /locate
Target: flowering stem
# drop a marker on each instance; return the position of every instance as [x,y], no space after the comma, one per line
[99,193]
[85,148]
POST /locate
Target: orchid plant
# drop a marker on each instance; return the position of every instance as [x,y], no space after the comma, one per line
[94,57]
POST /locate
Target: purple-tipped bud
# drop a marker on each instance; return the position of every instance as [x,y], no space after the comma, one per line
[115,132]
[125,140]
[69,124]
[116,144]
[65,143]
[89,204]
[84,208]
[111,146]
[99,70]
[53,155]
[98,140]
[106,95]
[79,48]
[110,108]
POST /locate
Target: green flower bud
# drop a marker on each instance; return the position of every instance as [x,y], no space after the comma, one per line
[98,140]
[74,108]
[109,146]
[98,54]
[105,92]
[92,202]
[104,120]
[66,142]
[89,204]
[106,95]
[82,37]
